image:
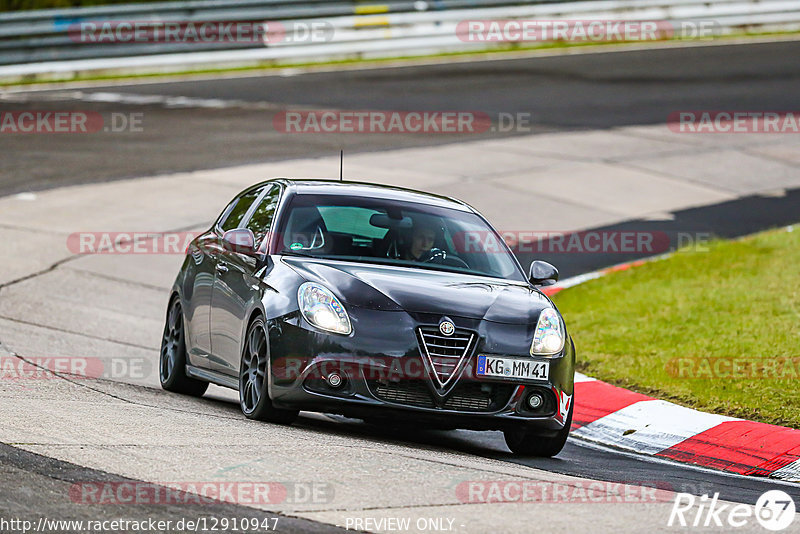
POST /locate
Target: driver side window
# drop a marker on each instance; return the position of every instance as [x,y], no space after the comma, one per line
[261,220]
[237,212]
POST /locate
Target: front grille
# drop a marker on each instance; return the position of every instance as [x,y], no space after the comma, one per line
[466,397]
[444,353]
[411,392]
[468,402]
[479,397]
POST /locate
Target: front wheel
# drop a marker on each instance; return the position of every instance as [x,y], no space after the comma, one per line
[525,441]
[253,379]
[172,362]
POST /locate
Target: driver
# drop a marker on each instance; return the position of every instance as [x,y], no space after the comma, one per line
[422,239]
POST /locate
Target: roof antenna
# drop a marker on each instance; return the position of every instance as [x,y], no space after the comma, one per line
[341,164]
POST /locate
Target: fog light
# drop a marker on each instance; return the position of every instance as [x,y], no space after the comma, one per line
[535,401]
[335,380]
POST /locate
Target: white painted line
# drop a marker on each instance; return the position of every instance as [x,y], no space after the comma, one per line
[580,377]
[649,427]
[790,473]
[581,278]
[168,101]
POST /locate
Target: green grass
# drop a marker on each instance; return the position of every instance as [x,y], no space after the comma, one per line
[660,328]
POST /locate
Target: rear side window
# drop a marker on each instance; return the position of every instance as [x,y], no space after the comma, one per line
[233,218]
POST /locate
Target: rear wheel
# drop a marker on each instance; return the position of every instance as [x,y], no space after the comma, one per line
[525,441]
[253,379]
[172,362]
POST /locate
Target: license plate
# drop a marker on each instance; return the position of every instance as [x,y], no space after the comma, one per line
[516,368]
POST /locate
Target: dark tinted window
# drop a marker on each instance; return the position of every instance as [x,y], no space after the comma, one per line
[235,215]
[261,220]
[395,232]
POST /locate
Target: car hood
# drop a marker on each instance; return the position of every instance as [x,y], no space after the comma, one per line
[425,291]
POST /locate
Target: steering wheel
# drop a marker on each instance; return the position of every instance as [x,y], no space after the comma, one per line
[439,256]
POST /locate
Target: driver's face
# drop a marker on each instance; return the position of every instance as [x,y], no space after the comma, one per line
[422,241]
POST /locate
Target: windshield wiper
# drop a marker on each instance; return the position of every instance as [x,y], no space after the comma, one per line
[287,252]
[386,261]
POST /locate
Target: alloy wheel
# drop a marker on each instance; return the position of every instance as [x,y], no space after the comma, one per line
[171,343]
[254,368]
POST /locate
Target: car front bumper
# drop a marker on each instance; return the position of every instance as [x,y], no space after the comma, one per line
[384,376]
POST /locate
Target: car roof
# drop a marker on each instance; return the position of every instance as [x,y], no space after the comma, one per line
[365,189]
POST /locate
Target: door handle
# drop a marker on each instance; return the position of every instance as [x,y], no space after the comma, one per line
[222,267]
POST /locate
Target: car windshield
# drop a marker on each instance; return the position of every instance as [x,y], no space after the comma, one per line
[396,233]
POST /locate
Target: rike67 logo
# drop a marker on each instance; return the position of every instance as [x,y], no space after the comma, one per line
[774,510]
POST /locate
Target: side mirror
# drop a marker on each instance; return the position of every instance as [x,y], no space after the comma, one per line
[542,273]
[240,240]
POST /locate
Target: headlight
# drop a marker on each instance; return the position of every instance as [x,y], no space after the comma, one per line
[549,336]
[322,309]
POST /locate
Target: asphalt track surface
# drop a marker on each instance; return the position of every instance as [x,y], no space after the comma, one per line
[565,92]
[727,220]
[34,486]
[584,460]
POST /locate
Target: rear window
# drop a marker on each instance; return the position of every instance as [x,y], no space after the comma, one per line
[352,220]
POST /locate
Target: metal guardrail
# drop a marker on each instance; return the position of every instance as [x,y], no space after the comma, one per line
[42,29]
[41,43]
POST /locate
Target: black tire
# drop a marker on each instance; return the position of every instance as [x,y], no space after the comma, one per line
[526,441]
[172,361]
[253,381]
